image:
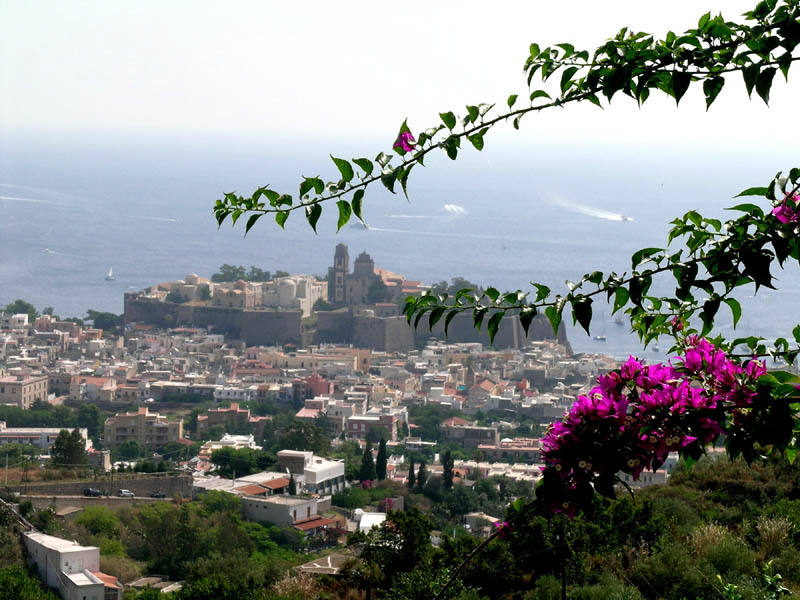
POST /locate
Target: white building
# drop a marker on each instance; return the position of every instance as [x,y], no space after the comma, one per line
[237,442]
[70,568]
[314,474]
[41,437]
[279,510]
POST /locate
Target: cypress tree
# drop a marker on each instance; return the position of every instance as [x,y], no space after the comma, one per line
[292,485]
[367,471]
[412,476]
[422,474]
[380,462]
[447,469]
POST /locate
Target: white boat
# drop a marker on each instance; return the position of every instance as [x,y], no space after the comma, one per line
[600,338]
[110,276]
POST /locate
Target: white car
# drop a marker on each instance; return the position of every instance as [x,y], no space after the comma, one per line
[125,494]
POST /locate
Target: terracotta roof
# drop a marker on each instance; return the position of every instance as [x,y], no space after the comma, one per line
[109,581]
[276,484]
[307,413]
[313,523]
[251,490]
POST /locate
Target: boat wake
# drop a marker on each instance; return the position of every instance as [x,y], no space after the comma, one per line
[591,211]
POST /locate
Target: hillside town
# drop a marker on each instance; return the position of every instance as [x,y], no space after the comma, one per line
[323,438]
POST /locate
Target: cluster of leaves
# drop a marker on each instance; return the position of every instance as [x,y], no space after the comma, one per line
[236,272]
[632,63]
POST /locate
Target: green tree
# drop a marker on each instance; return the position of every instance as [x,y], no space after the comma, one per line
[69,449]
[129,450]
[19,307]
[106,321]
[380,461]
[229,273]
[400,544]
[422,474]
[447,469]
[90,417]
[377,291]
[17,583]
[412,476]
[367,471]
[292,485]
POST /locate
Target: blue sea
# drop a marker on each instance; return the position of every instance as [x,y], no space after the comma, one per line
[73,206]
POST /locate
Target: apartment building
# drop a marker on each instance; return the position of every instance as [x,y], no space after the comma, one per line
[149,429]
[23,390]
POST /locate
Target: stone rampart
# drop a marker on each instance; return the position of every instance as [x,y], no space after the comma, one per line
[171,485]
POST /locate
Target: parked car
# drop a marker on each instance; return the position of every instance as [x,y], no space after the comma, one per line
[94,492]
[125,494]
[158,494]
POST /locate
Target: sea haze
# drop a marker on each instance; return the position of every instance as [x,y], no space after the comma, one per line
[73,207]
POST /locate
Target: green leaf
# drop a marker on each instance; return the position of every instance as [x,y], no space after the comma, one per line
[764,83]
[355,203]
[280,218]
[640,255]
[383,159]
[736,310]
[252,221]
[566,78]
[435,315]
[620,298]
[477,316]
[449,119]
[539,94]
[365,165]
[388,179]
[534,50]
[554,316]
[582,311]
[473,113]
[680,83]
[511,100]
[492,294]
[345,168]
[711,88]
[476,140]
[494,325]
[311,183]
[450,316]
[344,213]
[542,291]
[403,179]
[568,49]
[526,317]
[750,75]
[313,213]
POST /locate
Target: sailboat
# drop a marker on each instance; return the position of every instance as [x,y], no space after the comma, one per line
[110,276]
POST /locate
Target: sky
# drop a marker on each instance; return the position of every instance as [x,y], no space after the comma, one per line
[351,69]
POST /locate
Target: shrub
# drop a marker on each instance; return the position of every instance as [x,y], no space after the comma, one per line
[774,534]
[547,588]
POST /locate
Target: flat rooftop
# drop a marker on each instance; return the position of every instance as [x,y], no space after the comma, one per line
[56,543]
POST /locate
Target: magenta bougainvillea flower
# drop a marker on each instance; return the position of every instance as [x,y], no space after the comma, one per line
[637,415]
[405,141]
[788,211]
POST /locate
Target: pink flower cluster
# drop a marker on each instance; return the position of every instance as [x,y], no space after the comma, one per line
[405,141]
[637,415]
[788,211]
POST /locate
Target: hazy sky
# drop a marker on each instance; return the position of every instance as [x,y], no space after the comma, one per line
[333,68]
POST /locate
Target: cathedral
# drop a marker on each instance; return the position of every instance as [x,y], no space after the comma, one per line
[345,288]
